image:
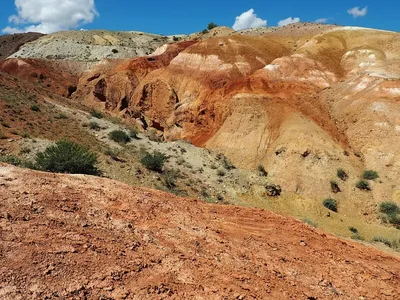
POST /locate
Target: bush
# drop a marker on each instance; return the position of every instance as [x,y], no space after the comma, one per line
[10,159]
[205,31]
[380,239]
[119,136]
[115,51]
[353,230]
[330,204]
[96,114]
[67,157]
[389,208]
[35,108]
[262,170]
[309,222]
[273,190]
[94,126]
[335,187]
[363,185]
[370,175]
[211,25]
[169,179]
[342,174]
[154,161]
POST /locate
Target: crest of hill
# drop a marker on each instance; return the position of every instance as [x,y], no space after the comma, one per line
[92,46]
[10,44]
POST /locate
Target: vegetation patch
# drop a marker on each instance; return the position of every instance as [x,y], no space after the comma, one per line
[119,136]
[68,157]
[262,170]
[370,175]
[154,161]
[330,204]
[342,174]
[363,185]
[96,114]
[273,190]
[335,187]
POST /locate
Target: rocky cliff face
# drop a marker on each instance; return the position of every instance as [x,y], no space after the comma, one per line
[302,103]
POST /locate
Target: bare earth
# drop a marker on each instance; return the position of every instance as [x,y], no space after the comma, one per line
[78,237]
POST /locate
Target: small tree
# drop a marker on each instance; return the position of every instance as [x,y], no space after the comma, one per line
[211,25]
[330,204]
[67,157]
[154,161]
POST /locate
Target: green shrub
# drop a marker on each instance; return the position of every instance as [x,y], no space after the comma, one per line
[335,187]
[96,114]
[211,25]
[262,170]
[357,236]
[342,174]
[380,239]
[394,219]
[363,185]
[205,31]
[119,136]
[330,204]
[94,126]
[35,108]
[68,157]
[154,161]
[353,229]
[370,175]
[169,179]
[389,208]
[10,159]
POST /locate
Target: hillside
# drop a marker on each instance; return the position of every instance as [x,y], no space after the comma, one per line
[9,44]
[115,241]
[305,109]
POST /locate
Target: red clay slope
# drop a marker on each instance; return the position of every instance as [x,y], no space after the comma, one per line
[85,237]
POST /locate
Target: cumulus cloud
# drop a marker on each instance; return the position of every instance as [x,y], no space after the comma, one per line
[321,20]
[248,19]
[288,21]
[357,12]
[48,16]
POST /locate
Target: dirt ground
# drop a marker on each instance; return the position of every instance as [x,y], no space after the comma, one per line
[76,237]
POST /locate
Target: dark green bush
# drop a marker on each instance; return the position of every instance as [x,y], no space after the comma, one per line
[119,136]
[211,25]
[96,114]
[342,174]
[68,157]
[353,229]
[389,208]
[335,187]
[94,126]
[35,108]
[370,175]
[205,31]
[363,185]
[330,204]
[154,161]
[10,159]
[133,133]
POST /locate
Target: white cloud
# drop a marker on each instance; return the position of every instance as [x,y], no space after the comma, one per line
[248,19]
[357,12]
[48,16]
[288,21]
[321,20]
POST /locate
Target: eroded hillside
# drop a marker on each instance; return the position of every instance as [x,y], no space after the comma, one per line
[115,241]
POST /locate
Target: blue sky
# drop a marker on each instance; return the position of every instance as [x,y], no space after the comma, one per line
[174,17]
